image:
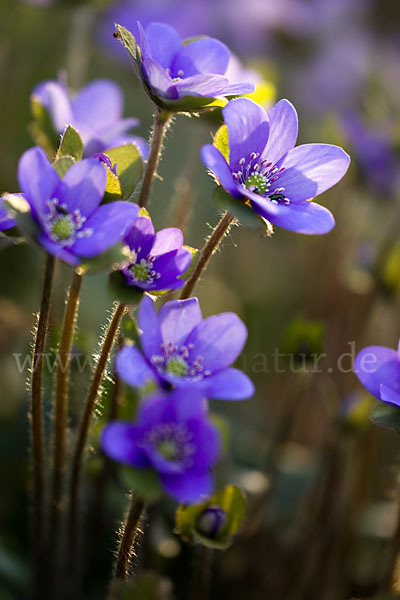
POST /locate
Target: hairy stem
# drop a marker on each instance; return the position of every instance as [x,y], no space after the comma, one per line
[61,402]
[37,437]
[208,250]
[83,432]
[124,555]
[161,122]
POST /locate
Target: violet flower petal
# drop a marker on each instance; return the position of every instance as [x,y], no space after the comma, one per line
[229,384]
[219,340]
[132,367]
[149,325]
[312,169]
[216,163]
[37,178]
[99,104]
[163,42]
[178,318]
[108,224]
[248,129]
[206,55]
[283,130]
[119,442]
[377,365]
[82,187]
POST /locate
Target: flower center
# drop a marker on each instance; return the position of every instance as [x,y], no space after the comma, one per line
[180,362]
[172,441]
[168,449]
[64,227]
[142,271]
[261,178]
[177,366]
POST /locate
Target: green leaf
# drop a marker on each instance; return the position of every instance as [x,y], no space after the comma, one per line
[221,142]
[71,144]
[131,47]
[129,170]
[120,290]
[243,212]
[191,104]
[231,500]
[145,482]
[41,128]
[62,164]
[386,415]
[110,259]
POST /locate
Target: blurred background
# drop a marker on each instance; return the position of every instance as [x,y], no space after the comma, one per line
[321,480]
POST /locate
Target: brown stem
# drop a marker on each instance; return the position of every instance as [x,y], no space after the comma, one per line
[37,437]
[125,550]
[84,430]
[161,122]
[61,403]
[208,250]
[202,579]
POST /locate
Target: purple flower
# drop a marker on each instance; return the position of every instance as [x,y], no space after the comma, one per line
[95,112]
[6,221]
[173,436]
[158,259]
[374,153]
[68,218]
[181,349]
[269,173]
[378,369]
[172,70]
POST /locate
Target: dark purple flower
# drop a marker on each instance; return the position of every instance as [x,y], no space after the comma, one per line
[70,222]
[95,112]
[211,521]
[181,349]
[173,70]
[158,259]
[6,221]
[378,369]
[173,436]
[268,172]
[374,153]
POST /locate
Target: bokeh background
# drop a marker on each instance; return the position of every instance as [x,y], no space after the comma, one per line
[321,480]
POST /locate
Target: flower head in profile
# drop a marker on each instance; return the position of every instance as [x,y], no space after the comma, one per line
[180,349]
[67,217]
[378,369]
[267,171]
[173,436]
[157,260]
[95,112]
[173,70]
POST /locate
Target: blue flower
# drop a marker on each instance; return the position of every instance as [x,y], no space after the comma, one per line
[69,221]
[173,436]
[6,220]
[181,349]
[378,369]
[266,171]
[172,70]
[158,259]
[95,112]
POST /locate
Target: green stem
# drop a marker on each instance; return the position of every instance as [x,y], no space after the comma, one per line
[61,404]
[37,437]
[208,250]
[79,450]
[126,545]
[161,122]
